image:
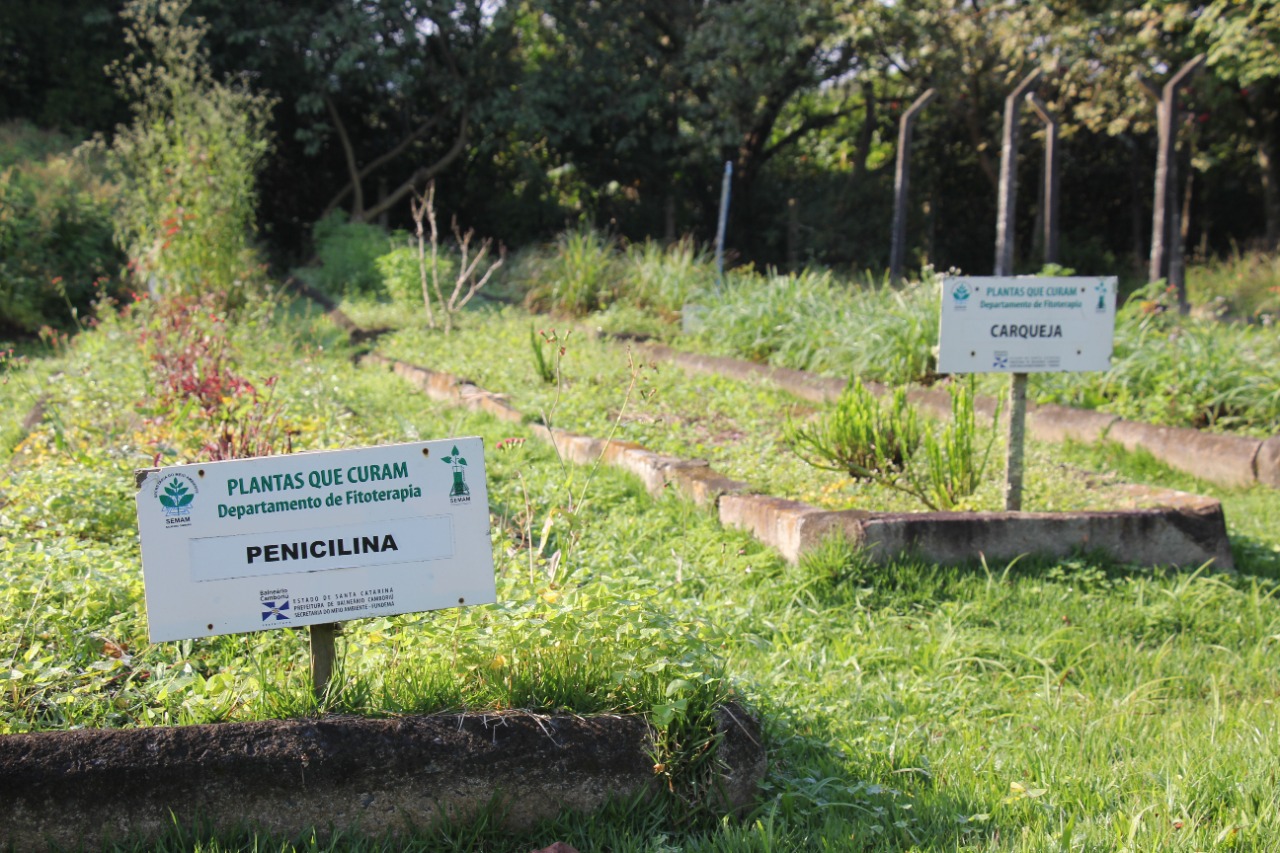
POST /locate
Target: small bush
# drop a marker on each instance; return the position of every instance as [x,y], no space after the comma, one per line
[188,162]
[870,439]
[348,253]
[863,437]
[56,249]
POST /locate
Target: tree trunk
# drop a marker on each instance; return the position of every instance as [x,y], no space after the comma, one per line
[357,205]
[1269,165]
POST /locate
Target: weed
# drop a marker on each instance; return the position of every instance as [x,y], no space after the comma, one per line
[861,436]
[547,369]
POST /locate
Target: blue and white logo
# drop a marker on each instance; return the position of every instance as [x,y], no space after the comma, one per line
[960,293]
[1001,361]
[275,610]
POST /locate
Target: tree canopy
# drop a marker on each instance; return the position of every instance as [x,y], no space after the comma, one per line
[534,114]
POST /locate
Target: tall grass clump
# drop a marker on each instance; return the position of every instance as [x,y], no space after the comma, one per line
[665,279]
[188,161]
[812,321]
[579,277]
[1181,371]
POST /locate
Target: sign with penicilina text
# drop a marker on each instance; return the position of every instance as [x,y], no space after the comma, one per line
[1026,324]
[312,538]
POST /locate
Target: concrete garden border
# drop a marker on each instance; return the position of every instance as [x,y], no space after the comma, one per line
[1186,530]
[378,777]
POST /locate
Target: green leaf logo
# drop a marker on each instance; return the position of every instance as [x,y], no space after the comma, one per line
[449,460]
[177,495]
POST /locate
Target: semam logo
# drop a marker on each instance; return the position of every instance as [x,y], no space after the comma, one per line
[1101,289]
[459,493]
[176,494]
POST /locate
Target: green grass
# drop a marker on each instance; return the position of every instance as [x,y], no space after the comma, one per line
[737,426]
[1037,706]
[1167,369]
[1243,285]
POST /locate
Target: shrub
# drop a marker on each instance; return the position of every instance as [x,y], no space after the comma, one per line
[870,439]
[348,253]
[189,160]
[862,437]
[56,249]
[665,279]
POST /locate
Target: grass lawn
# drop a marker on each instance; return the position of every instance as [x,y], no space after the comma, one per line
[1035,706]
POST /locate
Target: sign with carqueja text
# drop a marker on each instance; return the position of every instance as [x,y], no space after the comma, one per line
[1026,324]
[310,538]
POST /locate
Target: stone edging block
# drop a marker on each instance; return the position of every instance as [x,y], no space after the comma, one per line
[1190,532]
[1225,459]
[1266,466]
[1052,422]
[1186,531]
[373,776]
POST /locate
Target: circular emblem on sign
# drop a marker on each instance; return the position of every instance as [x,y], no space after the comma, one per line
[176,495]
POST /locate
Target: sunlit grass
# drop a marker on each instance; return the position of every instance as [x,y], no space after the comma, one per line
[1039,705]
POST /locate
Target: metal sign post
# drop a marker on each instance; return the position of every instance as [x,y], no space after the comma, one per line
[723,221]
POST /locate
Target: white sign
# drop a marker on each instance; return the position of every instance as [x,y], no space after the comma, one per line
[1026,324]
[310,538]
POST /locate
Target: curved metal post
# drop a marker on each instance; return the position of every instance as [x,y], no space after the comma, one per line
[1050,176]
[1009,174]
[901,177]
[1166,251]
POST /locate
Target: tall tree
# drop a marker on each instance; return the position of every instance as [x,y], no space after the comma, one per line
[1242,41]
[386,91]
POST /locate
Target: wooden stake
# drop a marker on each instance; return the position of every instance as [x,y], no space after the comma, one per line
[323,655]
[1017,441]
